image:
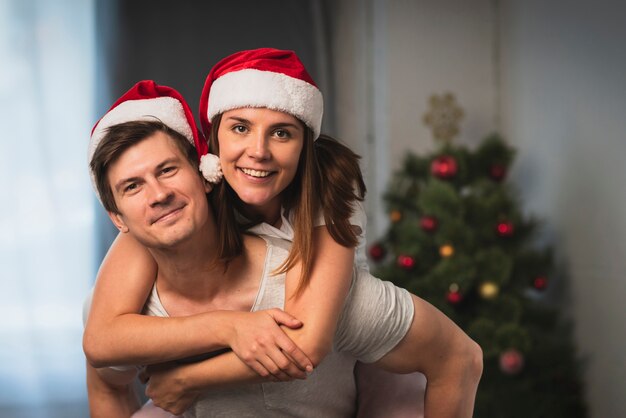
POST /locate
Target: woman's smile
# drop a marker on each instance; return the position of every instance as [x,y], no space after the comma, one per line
[256,173]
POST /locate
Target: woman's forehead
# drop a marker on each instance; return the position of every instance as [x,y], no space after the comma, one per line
[258,114]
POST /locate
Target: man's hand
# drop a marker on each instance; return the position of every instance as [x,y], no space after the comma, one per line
[167,388]
[261,344]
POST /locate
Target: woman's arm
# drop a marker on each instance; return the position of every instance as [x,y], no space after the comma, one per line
[451,361]
[319,304]
[117,334]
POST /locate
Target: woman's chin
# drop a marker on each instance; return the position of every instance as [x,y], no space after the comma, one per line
[266,206]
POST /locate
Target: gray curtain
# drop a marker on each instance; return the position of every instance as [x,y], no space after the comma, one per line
[177,43]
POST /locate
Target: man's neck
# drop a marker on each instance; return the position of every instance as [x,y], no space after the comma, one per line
[190,281]
[187,265]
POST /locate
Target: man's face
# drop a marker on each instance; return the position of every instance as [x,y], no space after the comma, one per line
[160,196]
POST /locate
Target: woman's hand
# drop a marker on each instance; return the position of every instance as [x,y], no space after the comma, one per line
[261,344]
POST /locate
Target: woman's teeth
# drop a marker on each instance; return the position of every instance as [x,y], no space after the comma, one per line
[256,173]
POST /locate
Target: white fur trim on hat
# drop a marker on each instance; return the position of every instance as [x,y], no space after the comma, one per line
[276,91]
[211,168]
[166,109]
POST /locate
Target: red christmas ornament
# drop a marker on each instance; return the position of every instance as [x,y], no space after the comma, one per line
[428,223]
[511,361]
[505,229]
[453,296]
[540,283]
[497,172]
[406,261]
[444,167]
[377,252]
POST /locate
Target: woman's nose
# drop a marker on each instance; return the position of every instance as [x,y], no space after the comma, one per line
[258,148]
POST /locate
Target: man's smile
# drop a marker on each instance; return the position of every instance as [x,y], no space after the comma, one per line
[167,214]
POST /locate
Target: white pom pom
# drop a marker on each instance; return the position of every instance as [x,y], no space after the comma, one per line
[211,168]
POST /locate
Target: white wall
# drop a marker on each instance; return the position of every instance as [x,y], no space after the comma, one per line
[391,57]
[564,108]
[563,96]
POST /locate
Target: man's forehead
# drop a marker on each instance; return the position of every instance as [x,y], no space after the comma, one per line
[147,154]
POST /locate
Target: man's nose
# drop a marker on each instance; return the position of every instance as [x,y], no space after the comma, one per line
[159,193]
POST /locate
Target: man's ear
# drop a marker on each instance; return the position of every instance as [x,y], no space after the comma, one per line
[208,187]
[118,221]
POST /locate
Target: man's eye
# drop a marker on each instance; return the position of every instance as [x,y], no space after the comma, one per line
[130,187]
[166,170]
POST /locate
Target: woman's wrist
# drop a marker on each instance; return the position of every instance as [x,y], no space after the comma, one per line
[216,328]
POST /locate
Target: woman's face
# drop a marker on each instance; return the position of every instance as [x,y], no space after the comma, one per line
[259,153]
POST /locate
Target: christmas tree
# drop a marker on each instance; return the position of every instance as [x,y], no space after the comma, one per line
[459,240]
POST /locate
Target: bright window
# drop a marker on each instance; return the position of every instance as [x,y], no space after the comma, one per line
[46,203]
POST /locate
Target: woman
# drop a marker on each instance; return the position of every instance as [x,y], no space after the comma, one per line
[268,158]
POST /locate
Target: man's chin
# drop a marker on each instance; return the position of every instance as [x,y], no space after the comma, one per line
[167,241]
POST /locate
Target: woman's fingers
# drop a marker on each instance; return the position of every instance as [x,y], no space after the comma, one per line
[283,318]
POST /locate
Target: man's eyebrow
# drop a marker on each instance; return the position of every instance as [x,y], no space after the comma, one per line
[167,161]
[120,184]
[158,167]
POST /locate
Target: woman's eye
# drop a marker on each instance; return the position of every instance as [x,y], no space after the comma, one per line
[239,129]
[282,133]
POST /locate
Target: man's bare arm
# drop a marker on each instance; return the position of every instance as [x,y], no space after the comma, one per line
[451,361]
[111,393]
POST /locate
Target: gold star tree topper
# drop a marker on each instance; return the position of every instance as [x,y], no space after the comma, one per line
[443,117]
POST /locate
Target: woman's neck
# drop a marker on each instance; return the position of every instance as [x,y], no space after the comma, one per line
[270,214]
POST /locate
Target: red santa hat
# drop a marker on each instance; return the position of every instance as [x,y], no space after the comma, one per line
[264,77]
[148,101]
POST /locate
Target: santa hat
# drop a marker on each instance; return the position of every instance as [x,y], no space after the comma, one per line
[264,77]
[148,101]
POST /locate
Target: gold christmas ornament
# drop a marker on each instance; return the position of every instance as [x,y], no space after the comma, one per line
[446,250]
[488,290]
[395,216]
[443,117]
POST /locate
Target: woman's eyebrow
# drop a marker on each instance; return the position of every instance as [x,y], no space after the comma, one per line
[273,126]
[238,119]
[286,125]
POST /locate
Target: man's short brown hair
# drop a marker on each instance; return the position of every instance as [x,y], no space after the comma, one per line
[117,140]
